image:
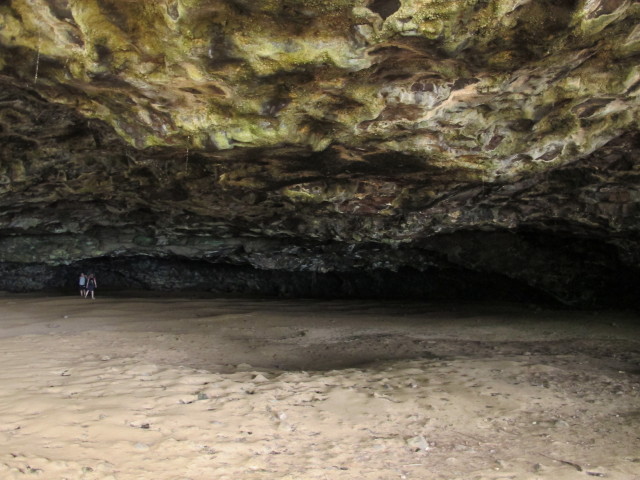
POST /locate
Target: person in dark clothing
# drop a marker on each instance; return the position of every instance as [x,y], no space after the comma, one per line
[91,286]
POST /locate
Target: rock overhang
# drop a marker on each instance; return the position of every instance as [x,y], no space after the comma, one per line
[325,136]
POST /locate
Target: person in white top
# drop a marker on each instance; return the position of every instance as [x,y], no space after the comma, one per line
[82,283]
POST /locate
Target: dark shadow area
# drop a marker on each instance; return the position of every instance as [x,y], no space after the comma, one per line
[181,275]
[533,266]
[385,8]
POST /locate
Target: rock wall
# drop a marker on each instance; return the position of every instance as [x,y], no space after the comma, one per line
[293,141]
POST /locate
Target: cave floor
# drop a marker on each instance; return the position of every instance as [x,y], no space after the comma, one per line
[177,388]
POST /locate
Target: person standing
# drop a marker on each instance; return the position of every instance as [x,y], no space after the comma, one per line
[82,283]
[91,286]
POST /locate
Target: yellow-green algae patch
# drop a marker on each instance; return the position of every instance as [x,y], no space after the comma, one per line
[288,72]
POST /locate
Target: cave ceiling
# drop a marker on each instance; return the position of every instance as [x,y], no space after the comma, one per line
[497,136]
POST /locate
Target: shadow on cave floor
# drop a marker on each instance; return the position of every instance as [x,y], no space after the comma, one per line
[219,333]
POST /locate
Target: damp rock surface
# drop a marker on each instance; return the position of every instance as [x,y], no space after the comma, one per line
[496,138]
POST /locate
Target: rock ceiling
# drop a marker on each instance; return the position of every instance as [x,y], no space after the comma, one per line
[497,137]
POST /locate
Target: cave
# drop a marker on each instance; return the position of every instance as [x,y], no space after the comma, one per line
[371,238]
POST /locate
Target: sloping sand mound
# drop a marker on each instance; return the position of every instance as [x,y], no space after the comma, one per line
[231,389]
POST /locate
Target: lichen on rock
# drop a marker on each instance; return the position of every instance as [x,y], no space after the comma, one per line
[190,128]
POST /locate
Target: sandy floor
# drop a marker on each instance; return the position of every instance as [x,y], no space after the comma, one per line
[211,389]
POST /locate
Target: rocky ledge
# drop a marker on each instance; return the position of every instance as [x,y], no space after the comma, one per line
[414,148]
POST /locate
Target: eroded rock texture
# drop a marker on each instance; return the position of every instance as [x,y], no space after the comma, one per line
[416,147]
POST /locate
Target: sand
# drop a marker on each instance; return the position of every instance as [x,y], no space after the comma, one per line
[215,389]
